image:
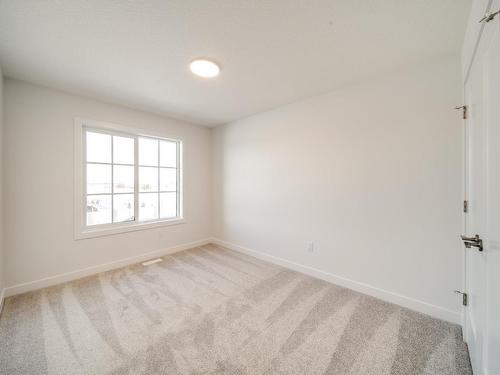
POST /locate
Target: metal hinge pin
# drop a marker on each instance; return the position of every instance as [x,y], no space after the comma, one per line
[464,297]
[464,111]
[489,16]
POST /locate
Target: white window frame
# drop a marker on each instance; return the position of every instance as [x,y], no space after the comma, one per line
[81,230]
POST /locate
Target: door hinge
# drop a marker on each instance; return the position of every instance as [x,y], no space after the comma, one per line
[489,16]
[471,242]
[464,111]
[465,298]
[466,206]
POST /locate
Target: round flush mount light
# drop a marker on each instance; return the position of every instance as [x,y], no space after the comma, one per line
[204,68]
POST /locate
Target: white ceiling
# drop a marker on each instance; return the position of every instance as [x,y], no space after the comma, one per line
[272,52]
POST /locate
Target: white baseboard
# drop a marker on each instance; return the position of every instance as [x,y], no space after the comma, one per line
[408,302]
[78,274]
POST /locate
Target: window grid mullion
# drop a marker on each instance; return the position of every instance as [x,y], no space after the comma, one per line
[177,174]
[84,178]
[126,193]
[112,182]
[158,166]
[136,179]
[102,163]
[155,166]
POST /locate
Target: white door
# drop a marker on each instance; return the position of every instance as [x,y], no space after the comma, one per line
[475,263]
[482,268]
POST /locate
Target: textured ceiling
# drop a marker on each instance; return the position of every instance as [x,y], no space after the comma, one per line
[272,52]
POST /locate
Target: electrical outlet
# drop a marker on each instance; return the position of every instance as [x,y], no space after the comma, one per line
[310,246]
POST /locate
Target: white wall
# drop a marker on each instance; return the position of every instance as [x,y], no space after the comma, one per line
[371,174]
[38,185]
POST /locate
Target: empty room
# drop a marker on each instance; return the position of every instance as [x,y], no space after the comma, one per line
[248,187]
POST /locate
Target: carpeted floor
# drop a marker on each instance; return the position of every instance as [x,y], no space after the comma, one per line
[213,311]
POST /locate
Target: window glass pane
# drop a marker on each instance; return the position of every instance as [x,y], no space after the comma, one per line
[168,178]
[98,147]
[123,179]
[168,205]
[114,172]
[98,178]
[148,151]
[123,207]
[123,150]
[168,154]
[148,206]
[98,209]
[148,179]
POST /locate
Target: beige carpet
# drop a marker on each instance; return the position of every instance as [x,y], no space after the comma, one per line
[213,311]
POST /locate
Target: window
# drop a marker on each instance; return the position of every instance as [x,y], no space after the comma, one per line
[128,180]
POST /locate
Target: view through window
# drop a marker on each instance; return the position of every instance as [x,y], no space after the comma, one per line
[130,178]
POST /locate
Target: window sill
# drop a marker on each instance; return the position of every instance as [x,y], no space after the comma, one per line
[124,228]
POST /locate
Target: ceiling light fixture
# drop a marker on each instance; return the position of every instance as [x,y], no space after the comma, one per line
[204,68]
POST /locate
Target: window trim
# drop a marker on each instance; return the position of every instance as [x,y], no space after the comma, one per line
[81,230]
